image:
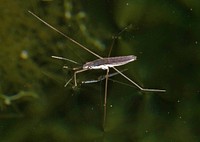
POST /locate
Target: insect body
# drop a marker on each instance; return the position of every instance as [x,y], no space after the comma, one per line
[101,63]
[105,63]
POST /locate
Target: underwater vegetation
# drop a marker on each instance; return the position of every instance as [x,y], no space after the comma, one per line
[35,105]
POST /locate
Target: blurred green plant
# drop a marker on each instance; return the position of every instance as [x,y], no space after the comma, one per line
[8,100]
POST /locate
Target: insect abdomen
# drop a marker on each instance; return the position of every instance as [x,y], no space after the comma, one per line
[109,62]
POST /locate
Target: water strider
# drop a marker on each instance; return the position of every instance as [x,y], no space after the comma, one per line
[101,63]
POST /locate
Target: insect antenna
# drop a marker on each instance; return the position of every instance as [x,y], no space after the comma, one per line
[66,67]
[62,58]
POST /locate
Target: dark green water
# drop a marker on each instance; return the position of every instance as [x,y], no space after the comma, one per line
[35,105]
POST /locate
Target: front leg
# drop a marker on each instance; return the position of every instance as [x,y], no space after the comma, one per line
[76,72]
